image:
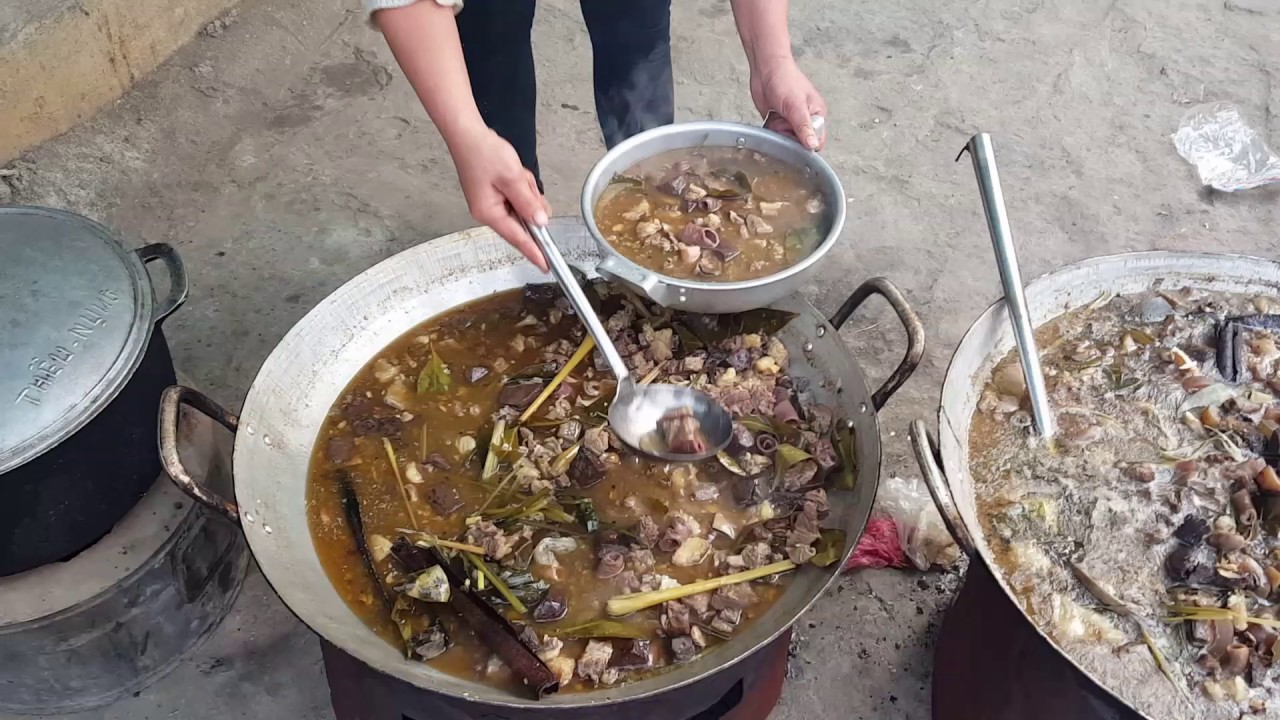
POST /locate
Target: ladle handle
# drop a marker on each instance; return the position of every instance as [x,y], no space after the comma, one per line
[984,166]
[578,299]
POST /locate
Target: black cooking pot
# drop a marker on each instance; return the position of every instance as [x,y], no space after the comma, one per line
[83,366]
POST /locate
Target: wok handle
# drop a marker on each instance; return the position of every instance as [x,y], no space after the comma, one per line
[171,402]
[165,253]
[936,480]
[910,323]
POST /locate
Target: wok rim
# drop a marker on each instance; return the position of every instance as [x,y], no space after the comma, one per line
[703,669]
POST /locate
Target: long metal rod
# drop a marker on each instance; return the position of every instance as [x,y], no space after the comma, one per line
[578,299]
[984,166]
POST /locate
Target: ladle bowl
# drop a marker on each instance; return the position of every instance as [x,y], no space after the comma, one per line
[638,408]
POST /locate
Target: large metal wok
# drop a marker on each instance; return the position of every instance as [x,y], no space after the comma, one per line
[304,375]
[946,466]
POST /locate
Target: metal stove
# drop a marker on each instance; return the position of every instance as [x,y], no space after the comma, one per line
[84,632]
[990,663]
[748,691]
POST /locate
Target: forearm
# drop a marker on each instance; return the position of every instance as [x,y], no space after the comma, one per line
[424,39]
[762,25]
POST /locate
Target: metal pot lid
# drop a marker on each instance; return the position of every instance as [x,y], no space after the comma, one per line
[76,312]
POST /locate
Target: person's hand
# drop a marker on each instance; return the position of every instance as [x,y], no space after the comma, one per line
[781,87]
[500,192]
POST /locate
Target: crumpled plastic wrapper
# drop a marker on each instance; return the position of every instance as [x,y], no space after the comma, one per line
[921,533]
[1228,154]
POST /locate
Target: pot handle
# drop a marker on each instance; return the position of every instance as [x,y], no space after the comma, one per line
[936,480]
[171,401]
[910,323]
[612,268]
[165,253]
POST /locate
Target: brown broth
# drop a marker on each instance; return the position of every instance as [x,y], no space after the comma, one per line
[478,334]
[784,198]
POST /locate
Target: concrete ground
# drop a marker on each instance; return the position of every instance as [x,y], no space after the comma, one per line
[288,154]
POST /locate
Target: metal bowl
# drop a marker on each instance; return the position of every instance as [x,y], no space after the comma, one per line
[695,295]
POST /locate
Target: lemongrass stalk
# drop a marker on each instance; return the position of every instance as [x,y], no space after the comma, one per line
[427,539]
[497,583]
[404,494]
[588,344]
[621,605]
[491,460]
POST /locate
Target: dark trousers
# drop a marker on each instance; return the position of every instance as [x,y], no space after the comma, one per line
[631,45]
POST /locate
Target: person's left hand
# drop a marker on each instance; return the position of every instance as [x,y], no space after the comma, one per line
[780,86]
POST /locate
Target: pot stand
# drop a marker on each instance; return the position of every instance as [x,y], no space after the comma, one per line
[82,633]
[749,691]
[989,663]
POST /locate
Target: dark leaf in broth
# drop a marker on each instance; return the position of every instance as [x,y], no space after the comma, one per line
[544,371]
[845,440]
[527,589]
[688,339]
[830,547]
[713,329]
[800,243]
[727,185]
[786,456]
[586,515]
[600,629]
[435,377]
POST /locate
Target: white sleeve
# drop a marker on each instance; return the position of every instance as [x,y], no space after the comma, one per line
[372,6]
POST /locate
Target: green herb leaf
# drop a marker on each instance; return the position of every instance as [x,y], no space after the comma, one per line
[600,629]
[756,423]
[786,456]
[586,515]
[730,464]
[435,377]
[830,547]
[845,441]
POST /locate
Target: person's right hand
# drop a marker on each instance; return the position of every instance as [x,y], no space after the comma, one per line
[500,192]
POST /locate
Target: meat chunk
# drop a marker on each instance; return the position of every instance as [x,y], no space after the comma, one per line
[799,475]
[757,555]
[681,526]
[549,649]
[683,649]
[661,343]
[675,618]
[444,499]
[520,394]
[496,543]
[633,656]
[595,660]
[647,532]
[612,561]
[596,440]
[682,432]
[587,468]
[338,450]
[698,603]
[563,668]
[737,597]
[805,531]
[642,560]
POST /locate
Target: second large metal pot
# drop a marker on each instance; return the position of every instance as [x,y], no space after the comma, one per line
[84,364]
[696,295]
[946,465]
[311,366]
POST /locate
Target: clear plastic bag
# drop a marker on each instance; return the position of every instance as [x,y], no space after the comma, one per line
[923,536]
[1228,154]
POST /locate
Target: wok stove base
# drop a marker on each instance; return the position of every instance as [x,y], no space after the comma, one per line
[990,663]
[749,691]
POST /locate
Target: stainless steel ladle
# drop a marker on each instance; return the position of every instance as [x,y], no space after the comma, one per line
[984,166]
[637,409]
